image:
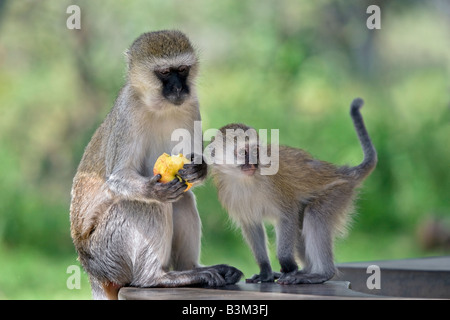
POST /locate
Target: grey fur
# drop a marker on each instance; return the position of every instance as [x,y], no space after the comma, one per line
[128,228]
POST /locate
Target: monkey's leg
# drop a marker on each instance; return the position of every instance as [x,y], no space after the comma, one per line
[318,244]
[186,233]
[301,250]
[287,233]
[186,244]
[98,292]
[256,237]
[105,290]
[300,241]
[131,244]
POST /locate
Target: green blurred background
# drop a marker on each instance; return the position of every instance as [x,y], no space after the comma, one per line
[293,65]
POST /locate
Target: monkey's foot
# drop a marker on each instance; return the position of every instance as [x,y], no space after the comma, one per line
[268,277]
[300,277]
[231,275]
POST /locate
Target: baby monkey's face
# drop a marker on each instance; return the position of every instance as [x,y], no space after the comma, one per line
[246,158]
[236,152]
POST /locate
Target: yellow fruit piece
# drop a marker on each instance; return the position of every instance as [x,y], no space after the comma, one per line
[168,167]
[189,185]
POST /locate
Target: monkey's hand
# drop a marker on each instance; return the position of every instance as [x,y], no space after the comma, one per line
[195,171]
[165,192]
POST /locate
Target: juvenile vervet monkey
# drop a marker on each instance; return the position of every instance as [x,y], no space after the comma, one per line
[128,228]
[308,200]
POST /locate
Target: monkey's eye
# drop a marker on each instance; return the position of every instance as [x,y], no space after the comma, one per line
[164,72]
[254,152]
[242,152]
[183,69]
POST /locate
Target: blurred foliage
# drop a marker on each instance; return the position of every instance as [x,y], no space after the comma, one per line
[292,65]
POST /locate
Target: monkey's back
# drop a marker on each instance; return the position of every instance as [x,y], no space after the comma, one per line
[300,178]
[302,175]
[89,195]
[307,180]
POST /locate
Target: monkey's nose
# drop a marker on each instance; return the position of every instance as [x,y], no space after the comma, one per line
[249,169]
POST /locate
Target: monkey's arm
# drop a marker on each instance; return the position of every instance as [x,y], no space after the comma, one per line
[128,184]
[124,159]
[131,185]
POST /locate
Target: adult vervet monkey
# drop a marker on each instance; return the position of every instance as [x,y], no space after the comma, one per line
[128,228]
[308,200]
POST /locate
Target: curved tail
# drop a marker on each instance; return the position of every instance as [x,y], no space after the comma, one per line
[362,170]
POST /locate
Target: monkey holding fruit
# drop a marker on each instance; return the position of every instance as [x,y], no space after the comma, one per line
[128,228]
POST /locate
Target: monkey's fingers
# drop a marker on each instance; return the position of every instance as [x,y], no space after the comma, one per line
[166,186]
[211,278]
[254,279]
[193,173]
[263,278]
[155,179]
[189,174]
[166,192]
[300,277]
[173,183]
[229,273]
[195,158]
[175,190]
[176,184]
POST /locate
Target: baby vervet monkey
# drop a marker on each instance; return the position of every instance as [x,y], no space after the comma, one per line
[308,200]
[128,228]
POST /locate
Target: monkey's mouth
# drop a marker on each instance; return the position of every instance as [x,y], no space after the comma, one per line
[176,100]
[249,169]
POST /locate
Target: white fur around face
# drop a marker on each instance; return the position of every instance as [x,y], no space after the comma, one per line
[184,59]
[155,138]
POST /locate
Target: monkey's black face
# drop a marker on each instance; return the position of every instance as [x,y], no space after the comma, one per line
[174,83]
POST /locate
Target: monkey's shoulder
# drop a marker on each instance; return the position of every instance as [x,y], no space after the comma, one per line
[295,162]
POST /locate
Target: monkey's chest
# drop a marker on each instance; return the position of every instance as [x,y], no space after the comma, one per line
[162,143]
[248,204]
[155,150]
